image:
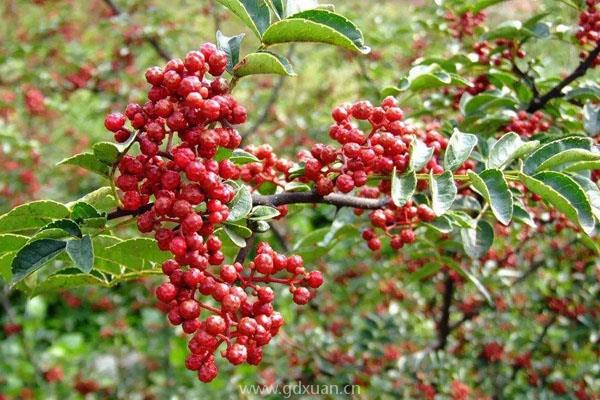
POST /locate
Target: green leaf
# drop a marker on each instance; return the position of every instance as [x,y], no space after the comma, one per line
[509,30]
[442,224]
[33,256]
[466,203]
[296,187]
[592,191]
[520,214]
[316,25]
[463,272]
[82,210]
[565,194]
[507,148]
[237,239]
[425,77]
[263,62]
[106,152]
[443,192]
[425,271]
[483,4]
[420,154]
[584,93]
[403,187]
[241,157]
[263,213]
[591,119]
[267,188]
[87,161]
[66,225]
[10,242]
[241,204]
[501,78]
[494,189]
[482,102]
[477,241]
[459,149]
[101,262]
[132,253]
[254,14]
[231,47]
[280,7]
[583,166]
[461,219]
[81,252]
[101,199]
[538,157]
[241,230]
[5,266]
[62,280]
[568,156]
[32,215]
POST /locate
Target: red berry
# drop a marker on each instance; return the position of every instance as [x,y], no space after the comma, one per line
[166,292]
[115,121]
[215,325]
[301,295]
[263,263]
[236,353]
[189,309]
[315,279]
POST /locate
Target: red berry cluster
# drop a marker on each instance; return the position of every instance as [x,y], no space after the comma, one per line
[464,24]
[244,322]
[589,32]
[527,125]
[492,352]
[503,49]
[362,154]
[370,154]
[269,169]
[190,199]
[397,223]
[589,24]
[566,307]
[480,84]
[35,101]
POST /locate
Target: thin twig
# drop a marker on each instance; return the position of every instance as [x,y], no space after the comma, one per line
[538,103]
[529,80]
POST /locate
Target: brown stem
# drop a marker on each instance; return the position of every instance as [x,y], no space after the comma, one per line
[539,102]
[283,198]
[335,199]
[243,253]
[443,325]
